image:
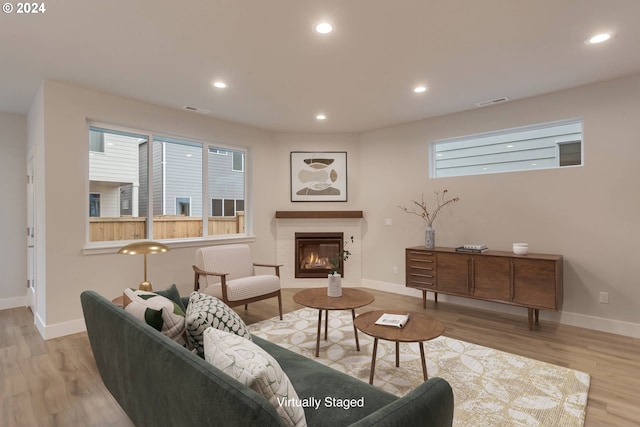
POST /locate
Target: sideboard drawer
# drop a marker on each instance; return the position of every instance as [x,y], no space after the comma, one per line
[421,269]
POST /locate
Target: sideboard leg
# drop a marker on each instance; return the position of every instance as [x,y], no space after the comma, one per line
[435,297]
[530,315]
[537,312]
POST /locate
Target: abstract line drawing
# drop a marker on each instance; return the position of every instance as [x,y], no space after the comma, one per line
[318,176]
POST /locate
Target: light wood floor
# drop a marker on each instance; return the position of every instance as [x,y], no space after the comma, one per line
[55,382]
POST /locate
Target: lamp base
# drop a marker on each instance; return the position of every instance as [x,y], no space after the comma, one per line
[145,286]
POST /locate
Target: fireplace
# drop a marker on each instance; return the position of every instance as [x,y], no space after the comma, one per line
[316,254]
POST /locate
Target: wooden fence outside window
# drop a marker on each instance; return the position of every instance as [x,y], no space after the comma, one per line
[103,229]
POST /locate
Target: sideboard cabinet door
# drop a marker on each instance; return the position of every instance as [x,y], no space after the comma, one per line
[535,282]
[491,278]
[453,274]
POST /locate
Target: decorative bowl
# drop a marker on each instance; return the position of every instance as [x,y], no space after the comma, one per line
[520,248]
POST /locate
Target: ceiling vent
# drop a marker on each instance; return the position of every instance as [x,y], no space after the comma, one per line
[195,109]
[492,101]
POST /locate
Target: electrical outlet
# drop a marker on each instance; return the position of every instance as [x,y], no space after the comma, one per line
[394,269]
[604,298]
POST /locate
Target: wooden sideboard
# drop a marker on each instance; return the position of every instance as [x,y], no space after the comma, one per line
[533,281]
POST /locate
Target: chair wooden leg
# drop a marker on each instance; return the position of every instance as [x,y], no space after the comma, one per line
[280,305]
[246,307]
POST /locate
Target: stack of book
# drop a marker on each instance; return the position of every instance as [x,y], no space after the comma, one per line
[472,248]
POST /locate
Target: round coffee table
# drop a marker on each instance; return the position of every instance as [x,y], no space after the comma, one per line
[317,298]
[419,328]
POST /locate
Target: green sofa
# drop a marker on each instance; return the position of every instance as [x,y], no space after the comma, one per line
[158,382]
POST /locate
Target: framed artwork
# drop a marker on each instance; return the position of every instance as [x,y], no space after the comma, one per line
[318,176]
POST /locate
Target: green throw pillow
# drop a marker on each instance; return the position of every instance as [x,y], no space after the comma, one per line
[206,311]
[157,311]
[174,295]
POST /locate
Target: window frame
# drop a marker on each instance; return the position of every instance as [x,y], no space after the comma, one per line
[108,246]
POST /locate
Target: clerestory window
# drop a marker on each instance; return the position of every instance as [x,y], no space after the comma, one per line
[541,146]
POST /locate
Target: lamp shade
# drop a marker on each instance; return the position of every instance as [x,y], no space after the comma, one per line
[145,248]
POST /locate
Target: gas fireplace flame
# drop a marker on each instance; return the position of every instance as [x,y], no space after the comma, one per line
[315,261]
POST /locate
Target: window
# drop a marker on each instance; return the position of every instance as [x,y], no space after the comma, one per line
[94,205]
[226,207]
[238,161]
[96,141]
[543,146]
[148,186]
[183,205]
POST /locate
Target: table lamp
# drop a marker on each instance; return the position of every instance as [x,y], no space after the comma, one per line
[145,247]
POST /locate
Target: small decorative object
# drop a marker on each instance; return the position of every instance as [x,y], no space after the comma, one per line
[335,285]
[430,237]
[420,209]
[144,247]
[334,288]
[520,248]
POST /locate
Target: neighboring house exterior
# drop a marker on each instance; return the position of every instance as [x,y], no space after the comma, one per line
[118,178]
[226,181]
[113,166]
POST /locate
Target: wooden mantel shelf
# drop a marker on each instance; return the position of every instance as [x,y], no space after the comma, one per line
[318,214]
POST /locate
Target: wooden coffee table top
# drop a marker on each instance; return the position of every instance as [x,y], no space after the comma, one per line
[420,327]
[317,298]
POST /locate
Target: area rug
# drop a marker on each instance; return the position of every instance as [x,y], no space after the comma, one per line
[491,387]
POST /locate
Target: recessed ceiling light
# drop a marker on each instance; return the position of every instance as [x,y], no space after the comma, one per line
[219,84]
[324,28]
[599,38]
[420,89]
[321,117]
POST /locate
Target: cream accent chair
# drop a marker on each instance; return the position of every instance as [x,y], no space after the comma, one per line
[227,272]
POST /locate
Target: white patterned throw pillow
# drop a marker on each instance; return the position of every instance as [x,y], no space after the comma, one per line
[206,311]
[156,311]
[248,363]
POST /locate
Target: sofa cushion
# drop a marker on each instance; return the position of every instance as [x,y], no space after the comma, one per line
[246,287]
[252,366]
[313,380]
[206,311]
[157,311]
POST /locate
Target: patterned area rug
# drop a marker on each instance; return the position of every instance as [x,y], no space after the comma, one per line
[491,387]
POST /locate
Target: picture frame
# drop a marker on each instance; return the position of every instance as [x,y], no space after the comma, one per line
[318,176]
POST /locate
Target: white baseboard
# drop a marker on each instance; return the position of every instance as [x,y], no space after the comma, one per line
[14,302]
[57,330]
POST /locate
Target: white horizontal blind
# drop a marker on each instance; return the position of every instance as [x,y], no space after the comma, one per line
[527,148]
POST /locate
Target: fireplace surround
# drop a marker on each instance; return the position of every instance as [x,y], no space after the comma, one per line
[316,254]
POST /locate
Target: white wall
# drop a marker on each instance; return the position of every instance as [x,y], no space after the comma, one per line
[65,172]
[13,206]
[588,214]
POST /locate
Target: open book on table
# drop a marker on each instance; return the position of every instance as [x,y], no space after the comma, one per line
[397,320]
